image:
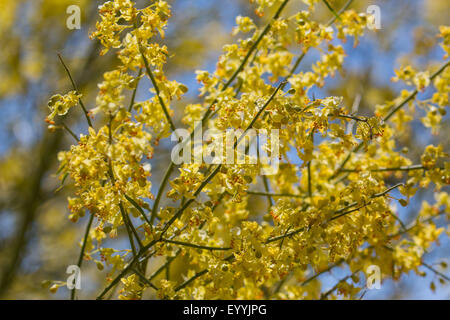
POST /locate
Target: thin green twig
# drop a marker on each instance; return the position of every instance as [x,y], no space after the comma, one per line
[386,118]
[86,113]
[275,195]
[143,278]
[165,265]
[196,246]
[133,96]
[83,248]
[402,168]
[70,131]
[188,281]
[332,10]
[160,192]
[155,85]
[435,271]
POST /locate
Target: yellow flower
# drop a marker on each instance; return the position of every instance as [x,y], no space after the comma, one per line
[244,24]
[60,105]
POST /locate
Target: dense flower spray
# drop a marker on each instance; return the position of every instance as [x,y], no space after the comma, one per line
[334,209]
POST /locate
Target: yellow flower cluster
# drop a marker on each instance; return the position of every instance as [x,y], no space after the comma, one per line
[334,208]
[60,105]
[110,98]
[104,172]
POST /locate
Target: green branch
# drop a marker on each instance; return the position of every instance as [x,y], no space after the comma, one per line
[70,131]
[142,276]
[435,271]
[188,281]
[139,208]
[403,168]
[133,96]
[322,272]
[160,192]
[326,294]
[196,246]
[155,85]
[83,248]
[345,7]
[332,10]
[86,114]
[386,118]
[165,265]
[275,195]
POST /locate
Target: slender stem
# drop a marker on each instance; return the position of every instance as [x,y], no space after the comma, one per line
[142,276]
[280,284]
[309,179]
[322,272]
[188,281]
[288,195]
[377,195]
[130,237]
[309,168]
[129,224]
[129,266]
[326,294]
[255,45]
[133,96]
[83,248]
[198,274]
[70,131]
[256,117]
[345,7]
[331,9]
[295,66]
[286,235]
[187,244]
[264,178]
[160,192]
[165,265]
[415,92]
[414,226]
[386,118]
[139,208]
[266,187]
[126,269]
[86,114]
[155,85]
[349,116]
[168,272]
[402,225]
[435,271]
[403,168]
[219,200]
[241,82]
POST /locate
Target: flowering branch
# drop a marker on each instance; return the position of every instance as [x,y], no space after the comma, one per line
[386,118]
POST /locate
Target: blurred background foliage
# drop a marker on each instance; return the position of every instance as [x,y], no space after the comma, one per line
[37,241]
